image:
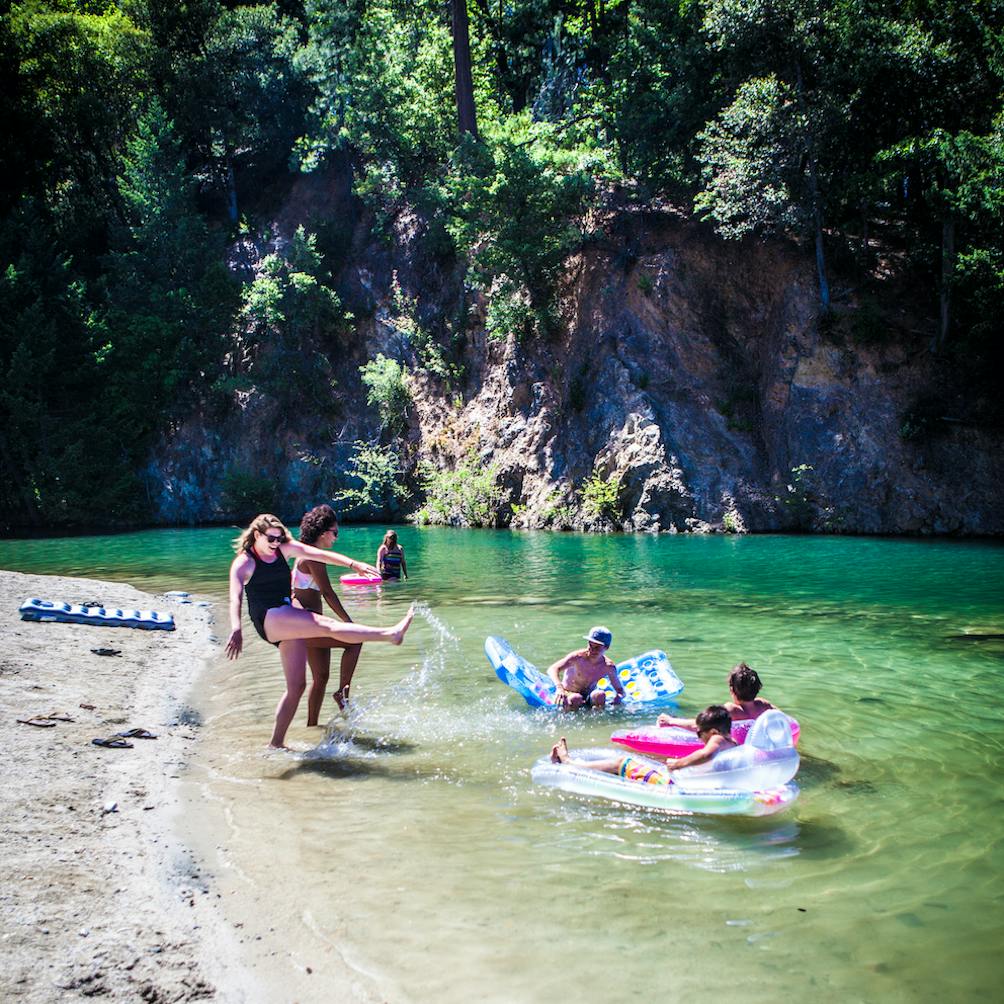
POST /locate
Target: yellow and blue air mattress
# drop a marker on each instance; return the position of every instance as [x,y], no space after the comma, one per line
[647,679]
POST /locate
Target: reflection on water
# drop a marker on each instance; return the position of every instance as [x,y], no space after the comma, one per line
[411,837]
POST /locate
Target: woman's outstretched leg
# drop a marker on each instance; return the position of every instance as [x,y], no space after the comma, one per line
[319,661]
[286,623]
[293,654]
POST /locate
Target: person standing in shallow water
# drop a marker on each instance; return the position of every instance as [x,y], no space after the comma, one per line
[311,584]
[390,558]
[261,568]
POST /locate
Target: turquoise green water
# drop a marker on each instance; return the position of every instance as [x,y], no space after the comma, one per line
[411,840]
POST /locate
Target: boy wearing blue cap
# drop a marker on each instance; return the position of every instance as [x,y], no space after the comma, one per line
[575,676]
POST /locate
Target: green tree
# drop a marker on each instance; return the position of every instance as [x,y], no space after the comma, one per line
[78,70]
[169,300]
[964,177]
[54,456]
[169,297]
[516,202]
[777,130]
[383,76]
[249,95]
[665,84]
[289,313]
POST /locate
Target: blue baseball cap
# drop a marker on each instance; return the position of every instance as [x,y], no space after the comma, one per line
[601,635]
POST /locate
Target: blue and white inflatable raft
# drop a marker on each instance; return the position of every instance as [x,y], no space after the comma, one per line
[754,779]
[73,613]
[647,679]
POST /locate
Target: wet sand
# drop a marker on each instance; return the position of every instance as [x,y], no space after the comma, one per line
[100,897]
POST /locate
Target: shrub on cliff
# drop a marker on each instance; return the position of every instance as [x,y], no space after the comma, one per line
[376,473]
[469,495]
[601,498]
[388,391]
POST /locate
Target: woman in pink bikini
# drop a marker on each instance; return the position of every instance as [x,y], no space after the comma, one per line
[261,568]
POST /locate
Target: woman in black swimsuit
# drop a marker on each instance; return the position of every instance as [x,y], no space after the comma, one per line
[261,569]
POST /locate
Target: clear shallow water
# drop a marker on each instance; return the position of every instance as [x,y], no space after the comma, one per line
[411,841]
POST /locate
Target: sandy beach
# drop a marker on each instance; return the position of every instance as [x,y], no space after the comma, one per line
[100,898]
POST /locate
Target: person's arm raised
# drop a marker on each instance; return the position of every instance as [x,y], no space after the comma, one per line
[320,574]
[239,574]
[680,723]
[297,550]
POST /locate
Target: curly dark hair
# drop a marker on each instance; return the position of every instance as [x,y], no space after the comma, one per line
[319,520]
[744,682]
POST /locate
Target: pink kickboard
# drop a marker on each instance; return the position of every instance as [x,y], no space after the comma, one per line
[361,580]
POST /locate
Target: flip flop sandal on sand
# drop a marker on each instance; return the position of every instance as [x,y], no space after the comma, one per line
[113,743]
[39,721]
[107,651]
[58,716]
[136,734]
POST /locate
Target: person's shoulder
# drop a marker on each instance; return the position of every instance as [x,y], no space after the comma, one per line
[241,562]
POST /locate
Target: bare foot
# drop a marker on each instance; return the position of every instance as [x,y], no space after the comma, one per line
[559,751]
[272,746]
[341,697]
[397,632]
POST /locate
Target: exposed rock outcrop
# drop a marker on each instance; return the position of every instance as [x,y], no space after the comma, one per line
[695,373]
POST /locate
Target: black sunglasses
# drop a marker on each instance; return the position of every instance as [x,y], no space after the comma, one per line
[273,538]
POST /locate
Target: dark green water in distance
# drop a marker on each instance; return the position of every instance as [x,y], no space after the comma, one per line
[884,882]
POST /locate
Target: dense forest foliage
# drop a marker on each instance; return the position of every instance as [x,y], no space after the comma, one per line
[142,138]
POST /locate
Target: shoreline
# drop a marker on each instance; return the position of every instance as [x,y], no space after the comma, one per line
[102,896]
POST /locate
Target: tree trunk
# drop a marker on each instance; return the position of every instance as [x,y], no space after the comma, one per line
[466,117]
[947,270]
[817,207]
[231,191]
[824,286]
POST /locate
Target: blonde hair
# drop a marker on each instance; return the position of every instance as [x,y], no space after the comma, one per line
[390,538]
[261,523]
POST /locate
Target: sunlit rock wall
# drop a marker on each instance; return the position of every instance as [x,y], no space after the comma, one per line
[694,370]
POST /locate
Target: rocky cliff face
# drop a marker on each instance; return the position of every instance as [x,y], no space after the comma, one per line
[695,372]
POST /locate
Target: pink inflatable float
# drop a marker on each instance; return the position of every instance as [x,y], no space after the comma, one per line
[673,741]
[361,580]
